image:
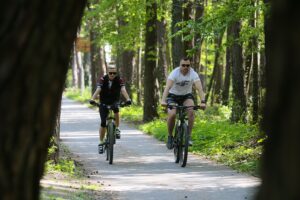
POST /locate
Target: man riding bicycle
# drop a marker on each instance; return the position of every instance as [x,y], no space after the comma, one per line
[179,90]
[109,87]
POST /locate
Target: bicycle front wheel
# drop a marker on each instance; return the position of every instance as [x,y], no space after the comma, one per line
[111,141]
[184,145]
[177,141]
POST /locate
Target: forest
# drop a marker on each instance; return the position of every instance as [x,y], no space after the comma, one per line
[245,52]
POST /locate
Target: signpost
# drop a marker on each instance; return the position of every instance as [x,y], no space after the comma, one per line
[83,44]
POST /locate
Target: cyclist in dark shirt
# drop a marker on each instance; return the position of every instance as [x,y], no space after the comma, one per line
[109,88]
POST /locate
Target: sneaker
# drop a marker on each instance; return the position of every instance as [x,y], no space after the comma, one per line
[118,133]
[100,148]
[170,142]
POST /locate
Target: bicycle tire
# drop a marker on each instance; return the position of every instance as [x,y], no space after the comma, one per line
[106,148]
[176,141]
[110,136]
[184,145]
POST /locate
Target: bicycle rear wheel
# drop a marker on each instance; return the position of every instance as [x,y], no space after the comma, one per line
[111,141]
[184,145]
[176,144]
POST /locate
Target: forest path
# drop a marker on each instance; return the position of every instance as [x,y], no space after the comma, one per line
[143,167]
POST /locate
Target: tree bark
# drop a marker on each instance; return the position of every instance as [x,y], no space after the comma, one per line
[239,99]
[127,67]
[281,161]
[177,45]
[36,43]
[228,67]
[150,101]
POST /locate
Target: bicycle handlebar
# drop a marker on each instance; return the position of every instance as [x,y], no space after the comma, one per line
[121,104]
[171,106]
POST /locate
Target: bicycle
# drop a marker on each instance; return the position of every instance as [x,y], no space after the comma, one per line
[110,136]
[181,137]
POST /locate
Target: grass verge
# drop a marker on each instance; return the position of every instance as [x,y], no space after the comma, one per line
[68,180]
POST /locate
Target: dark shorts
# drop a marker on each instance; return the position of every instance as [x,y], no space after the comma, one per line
[104,112]
[179,99]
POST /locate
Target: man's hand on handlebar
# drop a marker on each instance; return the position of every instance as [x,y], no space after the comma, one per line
[128,102]
[164,104]
[203,105]
[92,102]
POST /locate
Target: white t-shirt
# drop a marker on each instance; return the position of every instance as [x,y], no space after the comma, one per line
[183,84]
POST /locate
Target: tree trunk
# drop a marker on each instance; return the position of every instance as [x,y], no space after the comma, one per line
[96,61]
[227,78]
[239,99]
[78,56]
[127,67]
[219,71]
[74,69]
[139,75]
[150,101]
[35,55]
[197,39]
[187,15]
[281,161]
[177,45]
[162,68]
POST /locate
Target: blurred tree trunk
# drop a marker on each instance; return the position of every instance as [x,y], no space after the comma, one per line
[97,61]
[162,68]
[227,78]
[239,99]
[74,69]
[255,85]
[187,15]
[177,45]
[150,101]
[127,67]
[219,69]
[197,39]
[281,161]
[35,56]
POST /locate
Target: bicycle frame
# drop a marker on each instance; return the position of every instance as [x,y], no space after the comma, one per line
[110,136]
[181,138]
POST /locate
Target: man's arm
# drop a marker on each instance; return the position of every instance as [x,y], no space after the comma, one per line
[96,93]
[124,93]
[199,88]
[166,91]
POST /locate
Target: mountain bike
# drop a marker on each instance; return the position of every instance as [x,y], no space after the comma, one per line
[110,136]
[182,136]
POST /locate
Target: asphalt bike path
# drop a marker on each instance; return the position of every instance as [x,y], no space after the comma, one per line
[143,168]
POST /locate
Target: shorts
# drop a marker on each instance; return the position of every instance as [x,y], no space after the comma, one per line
[104,113]
[179,99]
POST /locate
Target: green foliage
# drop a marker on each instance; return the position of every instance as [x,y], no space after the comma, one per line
[132,113]
[102,17]
[77,95]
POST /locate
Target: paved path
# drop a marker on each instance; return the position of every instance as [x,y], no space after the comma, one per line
[143,168]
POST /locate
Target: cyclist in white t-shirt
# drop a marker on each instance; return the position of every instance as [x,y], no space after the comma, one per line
[179,90]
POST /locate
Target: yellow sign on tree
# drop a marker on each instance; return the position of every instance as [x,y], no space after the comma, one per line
[83,44]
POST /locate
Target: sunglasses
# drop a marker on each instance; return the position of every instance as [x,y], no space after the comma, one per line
[112,73]
[183,65]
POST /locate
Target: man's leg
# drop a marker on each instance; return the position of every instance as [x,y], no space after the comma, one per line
[102,133]
[102,130]
[171,124]
[191,116]
[171,121]
[117,121]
